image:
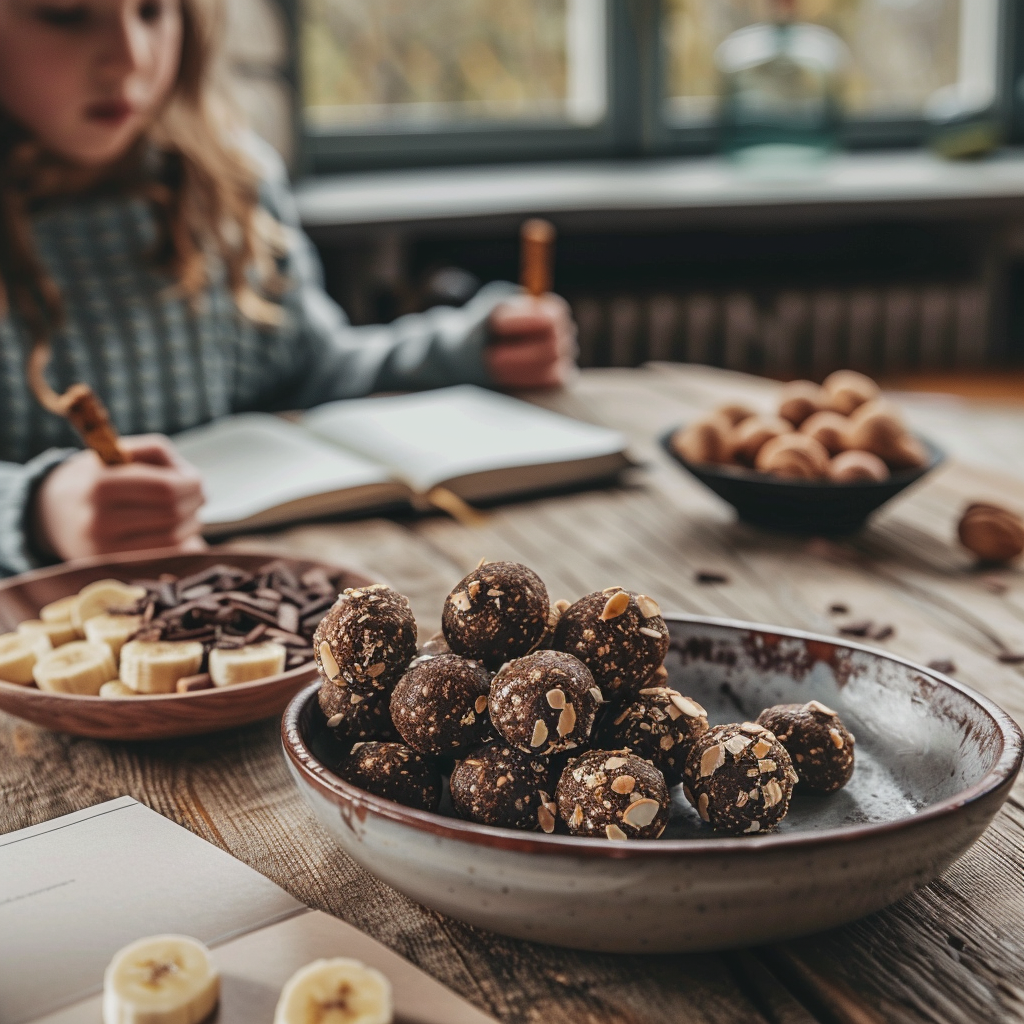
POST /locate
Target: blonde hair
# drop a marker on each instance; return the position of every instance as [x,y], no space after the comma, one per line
[205,198]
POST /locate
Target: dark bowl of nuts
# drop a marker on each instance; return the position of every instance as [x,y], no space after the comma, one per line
[818,507]
[156,644]
[598,775]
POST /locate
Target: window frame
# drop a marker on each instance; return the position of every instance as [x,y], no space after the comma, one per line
[633,126]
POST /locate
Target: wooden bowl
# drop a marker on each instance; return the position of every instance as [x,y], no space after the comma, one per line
[817,507]
[159,716]
[934,763]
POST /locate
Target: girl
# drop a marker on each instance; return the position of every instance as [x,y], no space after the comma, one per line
[161,254]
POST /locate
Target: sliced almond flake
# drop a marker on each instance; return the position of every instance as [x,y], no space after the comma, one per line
[355,699]
[688,706]
[334,721]
[742,799]
[652,633]
[567,720]
[837,738]
[761,747]
[766,766]
[673,712]
[754,826]
[623,784]
[610,590]
[753,728]
[621,718]
[755,793]
[816,705]
[613,763]
[330,666]
[614,832]
[500,781]
[642,813]
[556,698]
[375,670]
[461,601]
[615,606]
[474,588]
[481,563]
[772,793]
[545,819]
[702,806]
[666,742]
[540,734]
[495,592]
[648,606]
[711,760]
[577,817]
[480,705]
[736,745]
[561,605]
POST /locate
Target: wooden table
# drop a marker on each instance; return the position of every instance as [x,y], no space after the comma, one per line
[953,952]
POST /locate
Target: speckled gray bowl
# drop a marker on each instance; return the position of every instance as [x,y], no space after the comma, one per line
[935,761]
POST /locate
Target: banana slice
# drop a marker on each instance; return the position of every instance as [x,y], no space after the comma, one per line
[335,991]
[113,630]
[154,666]
[80,667]
[256,661]
[58,632]
[115,688]
[165,979]
[59,611]
[104,596]
[19,654]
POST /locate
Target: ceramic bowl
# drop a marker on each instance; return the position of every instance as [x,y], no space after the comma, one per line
[813,507]
[934,763]
[158,716]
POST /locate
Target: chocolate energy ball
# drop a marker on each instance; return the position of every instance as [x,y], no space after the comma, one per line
[819,744]
[499,785]
[620,636]
[440,705]
[497,613]
[613,794]
[740,778]
[393,771]
[366,640]
[351,717]
[544,703]
[659,726]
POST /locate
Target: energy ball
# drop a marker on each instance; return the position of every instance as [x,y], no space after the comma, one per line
[351,717]
[366,640]
[501,786]
[620,636]
[440,705]
[659,726]
[544,703]
[613,794]
[497,613]
[740,778]
[395,772]
[819,744]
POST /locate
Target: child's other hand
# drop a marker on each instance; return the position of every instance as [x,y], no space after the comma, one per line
[86,508]
[533,342]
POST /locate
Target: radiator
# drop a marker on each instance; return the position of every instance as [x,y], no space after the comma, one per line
[791,331]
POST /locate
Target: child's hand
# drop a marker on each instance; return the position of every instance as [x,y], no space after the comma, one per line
[86,508]
[533,342]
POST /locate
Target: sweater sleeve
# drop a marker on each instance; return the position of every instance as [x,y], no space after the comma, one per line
[18,484]
[331,359]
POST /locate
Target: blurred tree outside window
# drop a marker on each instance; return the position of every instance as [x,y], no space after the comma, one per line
[902,51]
[446,62]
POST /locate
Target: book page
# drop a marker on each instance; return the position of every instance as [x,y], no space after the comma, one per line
[74,890]
[434,437]
[254,462]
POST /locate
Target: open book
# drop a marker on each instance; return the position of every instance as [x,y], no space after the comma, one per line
[372,453]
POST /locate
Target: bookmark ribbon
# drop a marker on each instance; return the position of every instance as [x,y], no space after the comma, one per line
[459,509]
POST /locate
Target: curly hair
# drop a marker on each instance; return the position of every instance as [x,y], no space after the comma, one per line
[203,191]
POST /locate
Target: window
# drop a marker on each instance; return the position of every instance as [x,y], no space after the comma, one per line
[387,82]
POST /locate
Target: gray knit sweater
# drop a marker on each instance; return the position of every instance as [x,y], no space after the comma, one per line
[162,364]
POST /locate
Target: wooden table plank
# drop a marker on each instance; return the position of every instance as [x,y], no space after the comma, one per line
[952,952]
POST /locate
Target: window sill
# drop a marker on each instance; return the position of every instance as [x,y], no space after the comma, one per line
[680,190]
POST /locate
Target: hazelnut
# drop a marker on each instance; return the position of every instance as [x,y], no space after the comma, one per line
[793,456]
[877,427]
[994,534]
[908,453]
[752,433]
[855,466]
[828,429]
[735,413]
[847,390]
[707,440]
[800,399]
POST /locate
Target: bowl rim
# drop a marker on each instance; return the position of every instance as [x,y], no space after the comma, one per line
[127,558]
[1001,776]
[742,474]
